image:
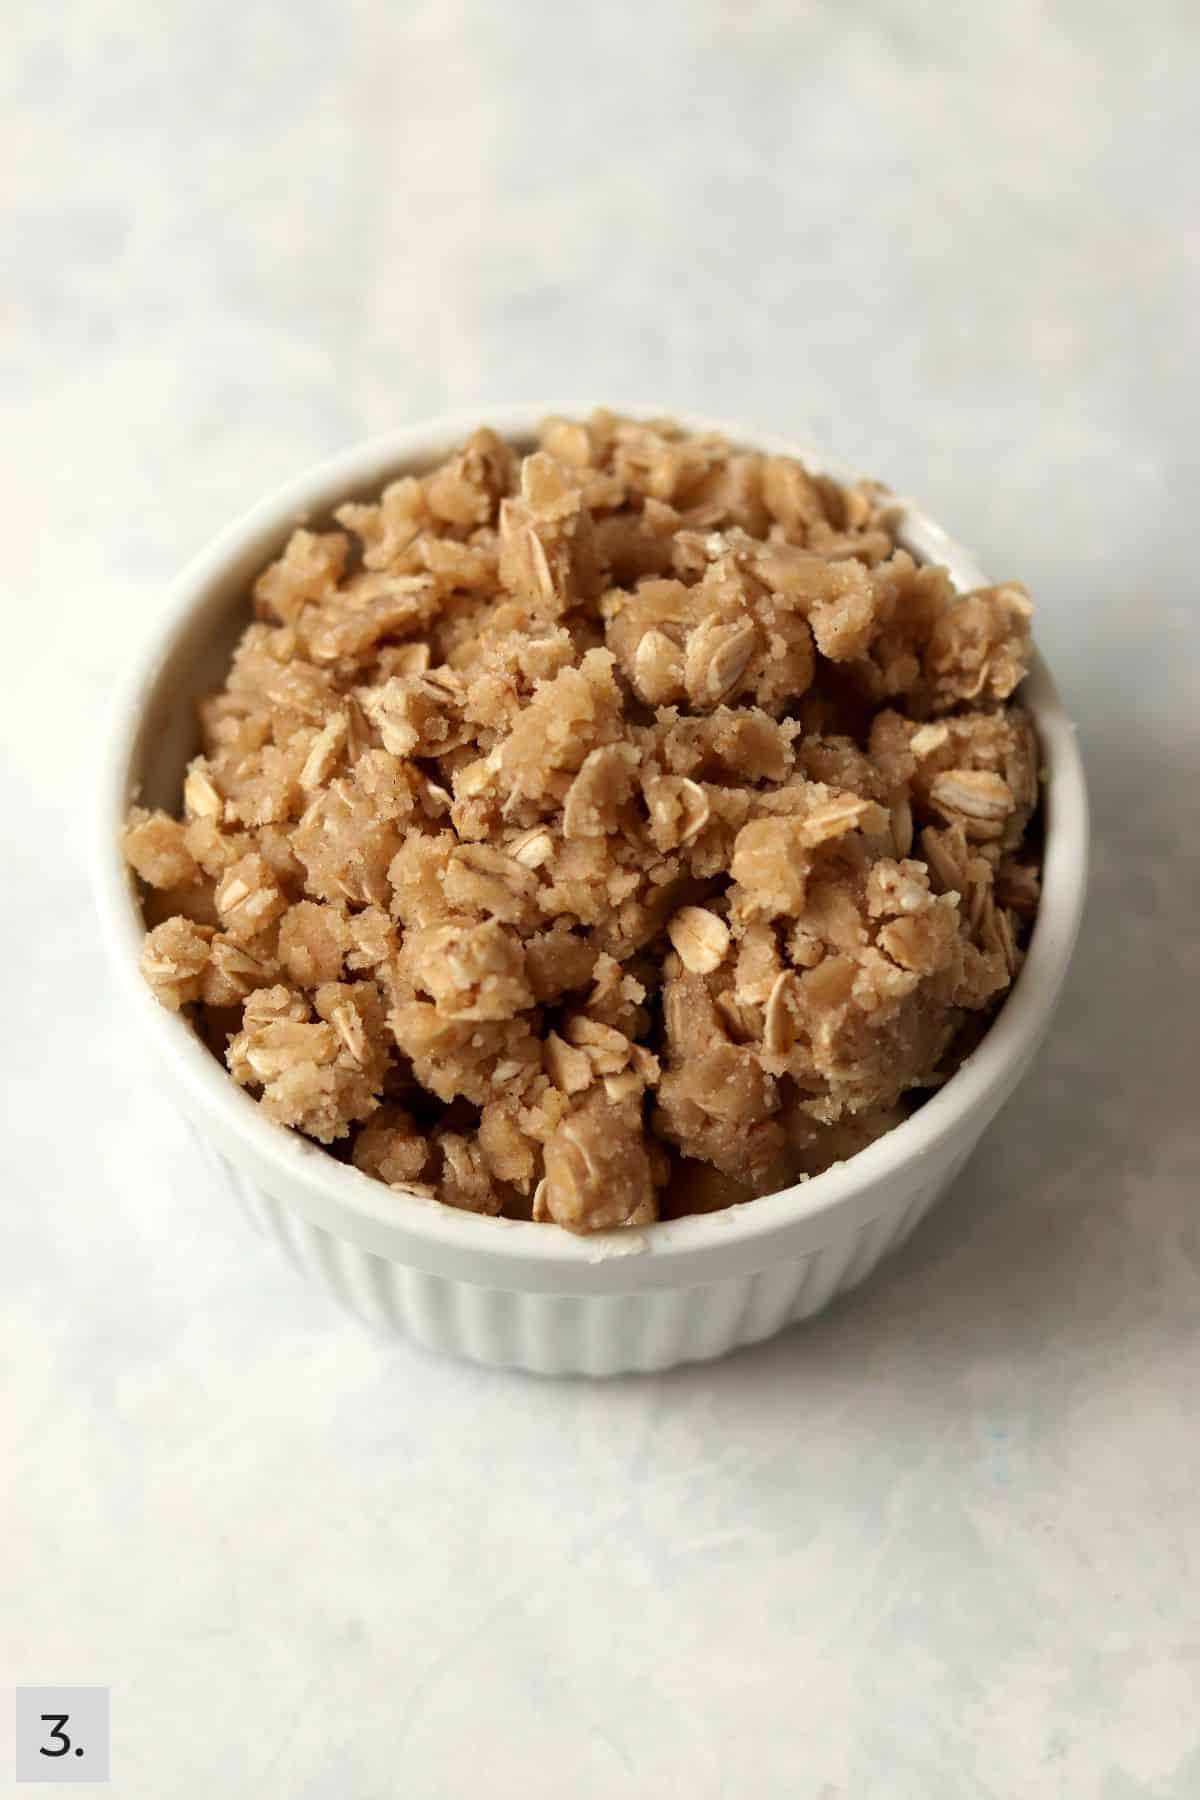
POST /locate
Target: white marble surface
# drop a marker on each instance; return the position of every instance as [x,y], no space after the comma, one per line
[941,1543]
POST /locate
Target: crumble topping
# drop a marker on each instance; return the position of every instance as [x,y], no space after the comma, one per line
[625,828]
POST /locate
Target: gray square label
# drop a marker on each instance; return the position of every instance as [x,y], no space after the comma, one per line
[62,1734]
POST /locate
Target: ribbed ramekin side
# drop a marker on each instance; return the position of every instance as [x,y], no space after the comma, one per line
[574,1334]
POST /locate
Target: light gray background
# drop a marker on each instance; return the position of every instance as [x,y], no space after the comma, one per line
[941,1543]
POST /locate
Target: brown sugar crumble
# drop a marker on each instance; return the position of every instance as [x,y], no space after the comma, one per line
[616,830]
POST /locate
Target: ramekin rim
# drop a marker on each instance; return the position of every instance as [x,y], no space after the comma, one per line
[507,1244]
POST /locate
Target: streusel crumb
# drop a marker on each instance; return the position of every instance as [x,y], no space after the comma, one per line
[601,830]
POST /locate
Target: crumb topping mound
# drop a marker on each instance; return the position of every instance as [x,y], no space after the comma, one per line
[618,830]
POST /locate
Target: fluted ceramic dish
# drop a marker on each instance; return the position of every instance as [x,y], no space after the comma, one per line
[507,1292]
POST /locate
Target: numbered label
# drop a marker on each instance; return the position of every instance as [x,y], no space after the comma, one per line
[62,1734]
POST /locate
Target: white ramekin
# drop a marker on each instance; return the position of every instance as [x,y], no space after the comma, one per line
[505,1292]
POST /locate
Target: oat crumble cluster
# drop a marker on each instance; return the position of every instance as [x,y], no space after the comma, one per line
[598,834]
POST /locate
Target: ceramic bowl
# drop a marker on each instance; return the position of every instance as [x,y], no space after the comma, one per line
[507,1292]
